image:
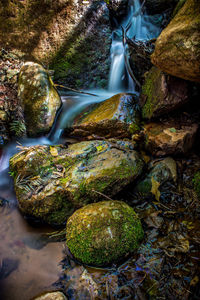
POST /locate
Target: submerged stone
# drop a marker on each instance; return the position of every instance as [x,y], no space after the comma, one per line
[177,49]
[113,117]
[104,232]
[162,93]
[52,181]
[170,138]
[39,98]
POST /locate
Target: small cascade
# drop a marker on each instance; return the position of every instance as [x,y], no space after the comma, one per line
[72,106]
[138,26]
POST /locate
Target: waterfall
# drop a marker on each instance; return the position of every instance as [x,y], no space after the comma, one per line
[139,27]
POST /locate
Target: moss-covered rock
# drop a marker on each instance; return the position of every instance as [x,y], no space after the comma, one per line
[177,49]
[52,181]
[161,93]
[114,117]
[169,139]
[161,171]
[104,232]
[39,98]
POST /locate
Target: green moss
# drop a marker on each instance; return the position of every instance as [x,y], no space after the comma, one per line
[150,92]
[133,128]
[60,217]
[144,186]
[104,232]
[196,182]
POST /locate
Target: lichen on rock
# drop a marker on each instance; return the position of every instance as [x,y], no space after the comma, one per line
[115,117]
[104,232]
[52,181]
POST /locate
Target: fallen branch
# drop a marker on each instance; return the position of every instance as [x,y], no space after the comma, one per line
[101,194]
[128,67]
[73,90]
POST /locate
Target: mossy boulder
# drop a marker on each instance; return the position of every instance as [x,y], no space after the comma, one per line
[114,117]
[170,138]
[177,49]
[104,232]
[160,172]
[162,93]
[39,98]
[52,181]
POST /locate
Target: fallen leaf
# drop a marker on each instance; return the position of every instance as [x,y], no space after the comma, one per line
[194,280]
[53,151]
[154,189]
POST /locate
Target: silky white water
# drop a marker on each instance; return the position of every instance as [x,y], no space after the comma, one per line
[138,26]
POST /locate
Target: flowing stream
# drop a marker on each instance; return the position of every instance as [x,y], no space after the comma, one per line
[138,26]
[28,263]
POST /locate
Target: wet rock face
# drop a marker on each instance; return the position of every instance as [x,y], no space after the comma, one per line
[114,117]
[162,93]
[52,181]
[169,139]
[103,232]
[83,60]
[177,49]
[39,98]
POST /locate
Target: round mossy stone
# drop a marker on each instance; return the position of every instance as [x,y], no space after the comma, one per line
[102,233]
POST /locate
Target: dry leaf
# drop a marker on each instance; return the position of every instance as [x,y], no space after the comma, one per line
[154,189]
[53,151]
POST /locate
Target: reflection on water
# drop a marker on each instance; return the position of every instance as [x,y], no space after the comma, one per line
[28,264]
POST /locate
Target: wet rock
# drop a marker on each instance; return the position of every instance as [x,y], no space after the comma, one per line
[102,233]
[39,98]
[114,117]
[52,181]
[169,139]
[52,296]
[162,93]
[160,172]
[158,6]
[177,49]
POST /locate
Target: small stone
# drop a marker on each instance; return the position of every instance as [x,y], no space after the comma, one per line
[52,296]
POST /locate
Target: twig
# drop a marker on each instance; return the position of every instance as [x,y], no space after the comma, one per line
[127,61]
[73,90]
[102,195]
